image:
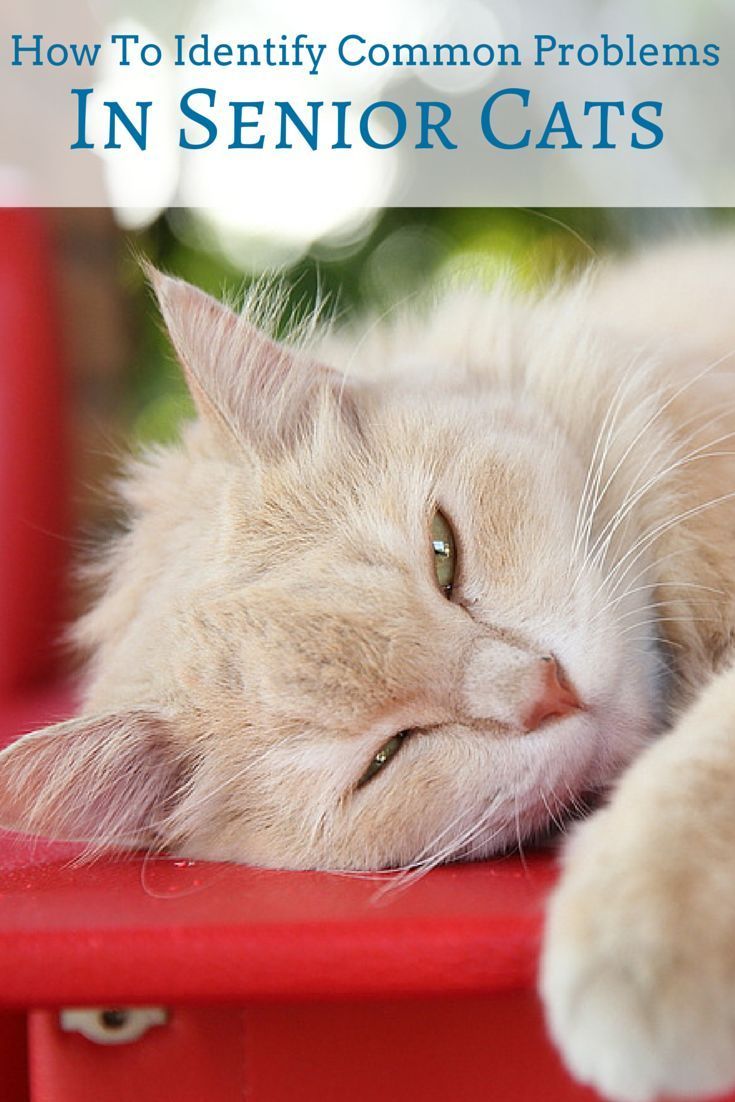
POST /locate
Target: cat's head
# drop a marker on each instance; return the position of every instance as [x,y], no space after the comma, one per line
[351,624]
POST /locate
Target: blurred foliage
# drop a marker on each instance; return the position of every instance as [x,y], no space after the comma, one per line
[400,252]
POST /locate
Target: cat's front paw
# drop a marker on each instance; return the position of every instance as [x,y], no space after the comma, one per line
[638,969]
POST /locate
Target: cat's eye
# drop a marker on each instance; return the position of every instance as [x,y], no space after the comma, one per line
[445,554]
[385,754]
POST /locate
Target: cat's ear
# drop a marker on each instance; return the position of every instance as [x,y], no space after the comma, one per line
[258,389]
[106,780]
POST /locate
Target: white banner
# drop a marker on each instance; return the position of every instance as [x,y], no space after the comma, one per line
[321,111]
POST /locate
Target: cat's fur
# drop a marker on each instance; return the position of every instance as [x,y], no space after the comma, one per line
[271,617]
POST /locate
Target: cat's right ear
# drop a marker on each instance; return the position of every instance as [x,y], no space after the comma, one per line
[256,388]
[106,780]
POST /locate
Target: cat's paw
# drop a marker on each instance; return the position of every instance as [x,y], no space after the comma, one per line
[638,975]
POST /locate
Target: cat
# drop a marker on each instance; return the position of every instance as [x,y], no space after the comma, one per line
[411,594]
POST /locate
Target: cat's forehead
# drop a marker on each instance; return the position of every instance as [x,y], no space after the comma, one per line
[355,504]
[352,523]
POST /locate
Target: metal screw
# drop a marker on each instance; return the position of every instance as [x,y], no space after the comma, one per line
[112,1025]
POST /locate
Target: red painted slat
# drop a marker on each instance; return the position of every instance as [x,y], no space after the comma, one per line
[33,456]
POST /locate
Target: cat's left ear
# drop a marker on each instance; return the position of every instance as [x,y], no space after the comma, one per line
[108,780]
[259,390]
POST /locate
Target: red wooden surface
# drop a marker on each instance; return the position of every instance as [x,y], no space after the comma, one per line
[435,1050]
[166,930]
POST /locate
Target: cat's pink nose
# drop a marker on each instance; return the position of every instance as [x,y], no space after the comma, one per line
[555,696]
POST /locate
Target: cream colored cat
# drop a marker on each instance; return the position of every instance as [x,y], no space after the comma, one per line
[415,605]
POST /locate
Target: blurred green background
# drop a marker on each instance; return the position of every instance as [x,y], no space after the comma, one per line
[392,255]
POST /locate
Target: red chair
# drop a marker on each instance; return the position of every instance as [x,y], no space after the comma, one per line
[273,986]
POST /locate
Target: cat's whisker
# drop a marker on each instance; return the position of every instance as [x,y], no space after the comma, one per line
[618,593]
[652,605]
[557,823]
[633,496]
[519,839]
[461,846]
[370,329]
[600,488]
[630,503]
[429,849]
[641,545]
[580,805]
[682,444]
[658,412]
[425,856]
[655,585]
[482,842]
[650,641]
[457,846]
[586,509]
[657,563]
[590,473]
[544,216]
[619,598]
[669,620]
[450,849]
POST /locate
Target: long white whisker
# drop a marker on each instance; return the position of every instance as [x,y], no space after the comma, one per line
[647,425]
[647,538]
[630,592]
[669,620]
[457,845]
[631,501]
[588,501]
[519,839]
[557,823]
[650,608]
